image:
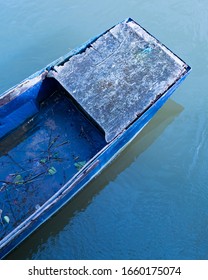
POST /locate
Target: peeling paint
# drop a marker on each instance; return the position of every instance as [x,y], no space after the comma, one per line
[21,88]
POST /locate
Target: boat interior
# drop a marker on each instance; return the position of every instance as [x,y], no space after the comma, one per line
[47,140]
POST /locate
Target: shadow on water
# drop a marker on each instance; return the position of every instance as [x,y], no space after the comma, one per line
[59,221]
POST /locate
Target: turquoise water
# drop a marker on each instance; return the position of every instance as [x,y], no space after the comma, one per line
[151,203]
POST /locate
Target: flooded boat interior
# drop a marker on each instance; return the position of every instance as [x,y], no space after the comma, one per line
[38,157]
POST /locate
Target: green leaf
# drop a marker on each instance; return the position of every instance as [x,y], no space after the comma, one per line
[6,219]
[79,164]
[55,155]
[18,179]
[52,171]
[43,160]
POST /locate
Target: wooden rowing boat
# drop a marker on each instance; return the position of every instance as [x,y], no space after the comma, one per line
[63,125]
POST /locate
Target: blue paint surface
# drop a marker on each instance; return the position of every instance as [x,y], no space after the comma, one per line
[42,155]
[151,203]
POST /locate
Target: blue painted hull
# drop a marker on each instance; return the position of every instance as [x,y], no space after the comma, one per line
[20,104]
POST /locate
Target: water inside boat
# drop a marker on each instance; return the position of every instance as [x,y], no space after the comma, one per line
[41,155]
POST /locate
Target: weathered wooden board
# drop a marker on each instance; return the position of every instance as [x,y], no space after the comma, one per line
[117,77]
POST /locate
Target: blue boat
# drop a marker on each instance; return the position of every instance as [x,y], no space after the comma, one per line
[62,126]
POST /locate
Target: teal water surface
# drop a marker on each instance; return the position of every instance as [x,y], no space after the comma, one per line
[151,203]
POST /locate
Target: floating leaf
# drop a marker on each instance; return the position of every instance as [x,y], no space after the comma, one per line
[52,171]
[55,155]
[6,219]
[18,179]
[79,164]
[43,160]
